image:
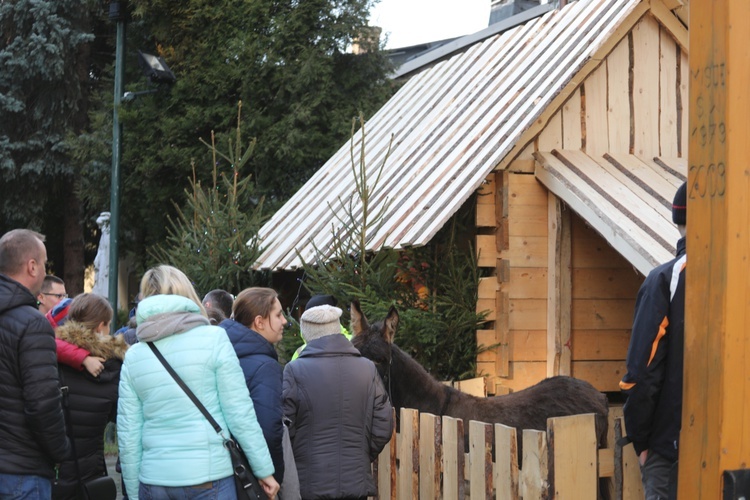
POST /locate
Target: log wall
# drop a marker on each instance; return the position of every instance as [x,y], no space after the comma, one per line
[560,299]
[601,296]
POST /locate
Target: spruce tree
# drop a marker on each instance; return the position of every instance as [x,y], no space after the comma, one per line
[288,61]
[44,56]
[214,239]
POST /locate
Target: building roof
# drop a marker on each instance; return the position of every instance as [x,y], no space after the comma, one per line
[627,199]
[401,55]
[447,48]
[447,128]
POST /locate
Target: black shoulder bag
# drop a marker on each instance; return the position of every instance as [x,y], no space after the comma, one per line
[245,481]
[98,488]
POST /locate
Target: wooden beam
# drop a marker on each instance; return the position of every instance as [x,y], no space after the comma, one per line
[715,433]
[673,4]
[671,22]
[559,286]
[502,333]
[501,210]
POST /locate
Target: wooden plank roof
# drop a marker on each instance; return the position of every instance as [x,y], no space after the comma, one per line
[450,125]
[627,199]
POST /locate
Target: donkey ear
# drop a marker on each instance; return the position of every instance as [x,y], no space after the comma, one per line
[359,322]
[390,325]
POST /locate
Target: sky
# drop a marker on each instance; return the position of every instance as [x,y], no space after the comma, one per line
[410,22]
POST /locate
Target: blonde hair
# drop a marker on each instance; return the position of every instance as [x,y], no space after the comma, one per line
[253,302]
[168,280]
[90,310]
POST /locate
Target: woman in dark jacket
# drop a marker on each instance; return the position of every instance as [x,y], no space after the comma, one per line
[258,324]
[92,400]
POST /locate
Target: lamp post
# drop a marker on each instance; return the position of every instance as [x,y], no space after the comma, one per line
[117,13]
[156,69]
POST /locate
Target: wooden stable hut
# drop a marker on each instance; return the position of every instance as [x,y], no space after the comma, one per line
[572,128]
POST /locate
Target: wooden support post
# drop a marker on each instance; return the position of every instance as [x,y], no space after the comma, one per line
[716,405]
[559,288]
[502,237]
[502,304]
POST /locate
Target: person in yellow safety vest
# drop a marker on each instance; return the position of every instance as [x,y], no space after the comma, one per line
[319,300]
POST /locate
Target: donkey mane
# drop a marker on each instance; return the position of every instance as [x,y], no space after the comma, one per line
[431,396]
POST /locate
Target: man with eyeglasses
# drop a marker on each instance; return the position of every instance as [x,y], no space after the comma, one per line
[32,434]
[53,291]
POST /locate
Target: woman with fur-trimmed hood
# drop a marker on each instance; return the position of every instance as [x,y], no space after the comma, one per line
[92,400]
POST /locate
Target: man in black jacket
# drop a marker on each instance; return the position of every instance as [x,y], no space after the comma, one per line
[653,383]
[32,428]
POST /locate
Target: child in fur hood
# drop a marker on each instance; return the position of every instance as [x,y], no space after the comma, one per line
[68,353]
[92,400]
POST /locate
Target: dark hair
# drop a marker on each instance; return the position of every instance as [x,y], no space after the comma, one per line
[18,247]
[221,300]
[253,302]
[215,316]
[48,280]
[90,309]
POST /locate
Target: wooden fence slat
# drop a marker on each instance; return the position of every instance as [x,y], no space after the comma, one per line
[617,494]
[430,455]
[534,472]
[382,469]
[606,458]
[573,457]
[453,459]
[385,466]
[480,460]
[408,455]
[632,489]
[426,459]
[506,463]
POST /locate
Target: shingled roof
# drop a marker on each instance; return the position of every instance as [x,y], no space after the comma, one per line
[448,127]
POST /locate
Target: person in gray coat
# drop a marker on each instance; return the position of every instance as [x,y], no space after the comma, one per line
[339,413]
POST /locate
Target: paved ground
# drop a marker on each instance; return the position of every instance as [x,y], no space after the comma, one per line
[111,460]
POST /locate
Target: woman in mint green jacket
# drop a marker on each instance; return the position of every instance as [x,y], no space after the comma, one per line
[166,444]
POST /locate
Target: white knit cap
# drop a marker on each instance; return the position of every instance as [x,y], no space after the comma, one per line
[320,321]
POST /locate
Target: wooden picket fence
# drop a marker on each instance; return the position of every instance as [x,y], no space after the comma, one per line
[426,459]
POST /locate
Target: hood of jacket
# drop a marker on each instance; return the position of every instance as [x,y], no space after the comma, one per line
[246,341]
[13,294]
[160,316]
[104,346]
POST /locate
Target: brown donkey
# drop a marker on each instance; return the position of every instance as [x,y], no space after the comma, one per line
[410,386]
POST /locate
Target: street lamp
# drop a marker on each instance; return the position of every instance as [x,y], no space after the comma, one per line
[117,13]
[157,71]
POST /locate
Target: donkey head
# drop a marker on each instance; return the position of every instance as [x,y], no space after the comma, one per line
[374,341]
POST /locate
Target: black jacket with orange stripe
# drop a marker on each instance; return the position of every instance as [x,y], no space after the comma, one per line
[653,383]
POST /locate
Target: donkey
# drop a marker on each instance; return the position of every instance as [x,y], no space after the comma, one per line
[410,386]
